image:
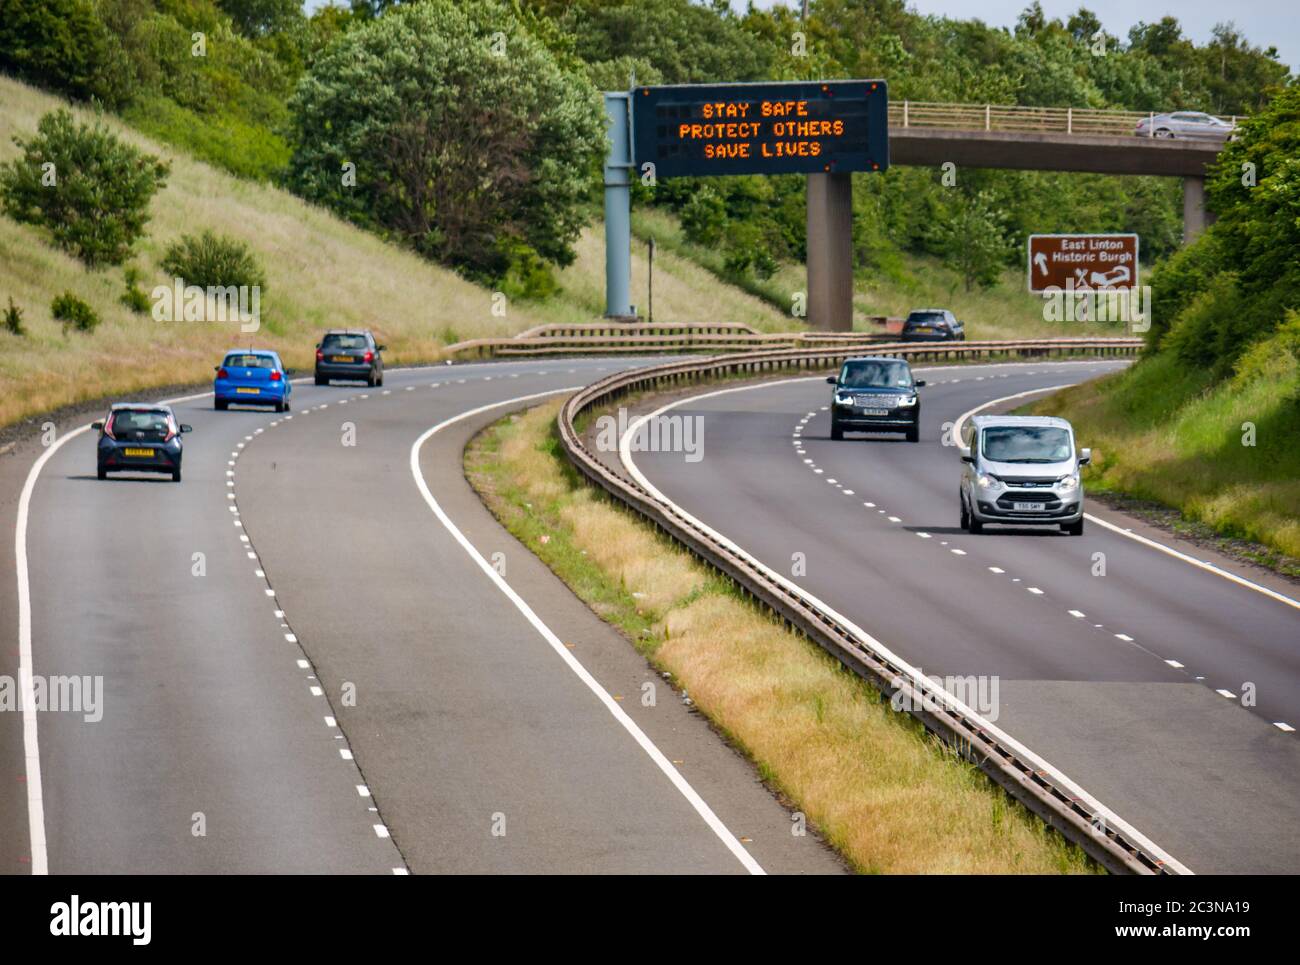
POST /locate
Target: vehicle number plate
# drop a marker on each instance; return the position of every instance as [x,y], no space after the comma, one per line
[875,412]
[1028,507]
[146,453]
[247,391]
[342,358]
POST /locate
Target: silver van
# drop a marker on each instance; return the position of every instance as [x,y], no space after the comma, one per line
[1021,470]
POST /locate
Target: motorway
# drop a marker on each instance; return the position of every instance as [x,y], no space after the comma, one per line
[1129,680]
[327,657]
[306,668]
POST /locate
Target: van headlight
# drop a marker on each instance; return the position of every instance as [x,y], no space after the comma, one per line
[1067,484]
[988,483]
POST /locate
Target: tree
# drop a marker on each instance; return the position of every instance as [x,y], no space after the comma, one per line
[256,18]
[452,128]
[974,241]
[90,189]
[60,44]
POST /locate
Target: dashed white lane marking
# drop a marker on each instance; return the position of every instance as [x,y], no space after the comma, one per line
[316,692]
[381,831]
[290,638]
[1175,664]
[303,664]
[345,753]
[363,791]
[1076,614]
[331,722]
[996,569]
[648,746]
[1034,590]
[1125,637]
[1283,727]
[893,519]
[958,552]
[1226,693]
[405,871]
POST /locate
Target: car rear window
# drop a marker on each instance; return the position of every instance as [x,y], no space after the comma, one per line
[249,362]
[925,318]
[344,342]
[139,420]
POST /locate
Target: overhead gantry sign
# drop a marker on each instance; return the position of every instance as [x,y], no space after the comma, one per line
[788,128]
[824,129]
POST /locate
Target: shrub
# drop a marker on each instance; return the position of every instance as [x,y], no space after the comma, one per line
[135,297]
[73,313]
[210,259]
[86,186]
[14,319]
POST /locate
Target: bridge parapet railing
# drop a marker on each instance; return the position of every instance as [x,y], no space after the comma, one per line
[1046,120]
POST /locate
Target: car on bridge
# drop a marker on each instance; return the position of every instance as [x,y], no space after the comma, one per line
[932,325]
[875,395]
[1021,470]
[1185,125]
[253,377]
[349,355]
[138,437]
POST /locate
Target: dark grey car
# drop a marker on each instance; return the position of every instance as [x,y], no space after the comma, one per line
[138,437]
[349,355]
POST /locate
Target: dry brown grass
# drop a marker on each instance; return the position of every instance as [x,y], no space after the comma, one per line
[884,794]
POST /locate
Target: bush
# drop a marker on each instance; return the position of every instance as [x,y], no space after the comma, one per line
[135,297]
[74,313]
[14,319]
[90,189]
[213,260]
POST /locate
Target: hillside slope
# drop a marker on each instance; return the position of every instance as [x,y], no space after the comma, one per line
[321,272]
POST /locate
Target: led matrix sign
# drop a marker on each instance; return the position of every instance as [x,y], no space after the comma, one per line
[808,127]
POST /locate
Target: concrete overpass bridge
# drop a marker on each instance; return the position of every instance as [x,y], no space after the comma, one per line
[1051,139]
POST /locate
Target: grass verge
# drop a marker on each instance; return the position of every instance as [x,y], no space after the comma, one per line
[1223,455]
[885,794]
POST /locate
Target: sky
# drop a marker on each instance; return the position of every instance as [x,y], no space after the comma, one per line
[1264,23]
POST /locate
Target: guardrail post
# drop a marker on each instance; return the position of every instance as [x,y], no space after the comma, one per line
[904,115]
[986,118]
[1069,120]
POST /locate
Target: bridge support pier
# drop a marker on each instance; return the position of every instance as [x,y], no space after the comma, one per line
[1195,217]
[830,252]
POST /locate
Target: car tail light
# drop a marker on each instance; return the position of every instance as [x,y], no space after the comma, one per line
[222,373]
[171,431]
[370,357]
[319,355]
[275,376]
[108,428]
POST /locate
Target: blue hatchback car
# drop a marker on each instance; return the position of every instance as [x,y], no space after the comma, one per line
[253,377]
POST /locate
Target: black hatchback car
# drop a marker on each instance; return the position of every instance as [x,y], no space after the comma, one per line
[349,355]
[933,325]
[876,395]
[138,437]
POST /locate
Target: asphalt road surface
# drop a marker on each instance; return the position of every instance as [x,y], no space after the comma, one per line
[1132,681]
[306,667]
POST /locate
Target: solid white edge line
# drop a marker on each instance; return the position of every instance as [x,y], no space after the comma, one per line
[870,642]
[657,756]
[1145,541]
[26,673]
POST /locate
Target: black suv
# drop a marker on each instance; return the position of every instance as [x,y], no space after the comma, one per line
[933,325]
[349,355]
[875,395]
